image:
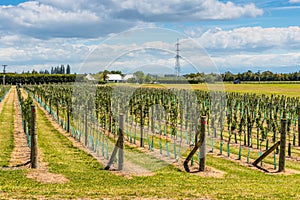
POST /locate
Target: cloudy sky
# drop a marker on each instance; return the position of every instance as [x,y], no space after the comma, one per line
[127,35]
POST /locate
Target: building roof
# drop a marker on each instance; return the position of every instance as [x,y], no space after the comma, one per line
[114,77]
[90,77]
[128,76]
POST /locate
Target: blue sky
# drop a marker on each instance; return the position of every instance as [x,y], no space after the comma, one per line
[9,2]
[91,35]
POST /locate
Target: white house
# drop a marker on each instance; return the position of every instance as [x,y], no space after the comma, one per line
[90,77]
[114,78]
[128,76]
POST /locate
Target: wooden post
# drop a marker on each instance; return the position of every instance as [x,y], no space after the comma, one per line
[141,128]
[86,126]
[152,120]
[57,111]
[203,145]
[266,153]
[68,118]
[34,150]
[282,145]
[50,106]
[24,126]
[121,143]
[199,144]
[299,126]
[119,146]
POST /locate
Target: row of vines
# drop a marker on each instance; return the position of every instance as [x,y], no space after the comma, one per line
[3,91]
[25,107]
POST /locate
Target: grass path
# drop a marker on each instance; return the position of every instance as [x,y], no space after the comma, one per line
[21,152]
[3,101]
[6,129]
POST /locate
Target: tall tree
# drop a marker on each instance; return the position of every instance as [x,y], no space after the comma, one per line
[68,69]
[62,69]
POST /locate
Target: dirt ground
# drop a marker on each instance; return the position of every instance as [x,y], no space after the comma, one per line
[42,174]
[20,156]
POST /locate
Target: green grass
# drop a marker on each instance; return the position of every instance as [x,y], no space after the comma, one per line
[267,88]
[89,180]
[6,132]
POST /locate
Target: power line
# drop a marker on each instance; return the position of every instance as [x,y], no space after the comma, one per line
[4,67]
[177,63]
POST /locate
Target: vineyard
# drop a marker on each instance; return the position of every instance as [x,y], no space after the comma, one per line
[80,126]
[165,121]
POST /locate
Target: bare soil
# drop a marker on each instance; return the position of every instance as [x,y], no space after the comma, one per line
[20,156]
[42,174]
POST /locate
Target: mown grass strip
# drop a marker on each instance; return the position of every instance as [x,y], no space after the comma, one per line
[6,131]
[291,90]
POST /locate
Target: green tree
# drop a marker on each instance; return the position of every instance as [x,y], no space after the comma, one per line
[140,76]
[68,69]
[148,78]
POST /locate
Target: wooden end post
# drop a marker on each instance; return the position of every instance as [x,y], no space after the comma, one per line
[121,142]
[299,126]
[86,126]
[119,147]
[68,118]
[264,155]
[282,145]
[141,128]
[34,150]
[200,144]
[152,120]
[203,145]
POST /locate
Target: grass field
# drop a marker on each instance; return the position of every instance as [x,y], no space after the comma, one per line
[268,89]
[88,179]
[6,131]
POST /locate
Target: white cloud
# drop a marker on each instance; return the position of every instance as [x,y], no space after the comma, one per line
[181,10]
[43,20]
[23,52]
[294,1]
[265,61]
[245,48]
[93,18]
[129,56]
[239,49]
[48,32]
[132,57]
[251,39]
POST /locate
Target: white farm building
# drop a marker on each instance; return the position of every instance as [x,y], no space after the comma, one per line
[128,76]
[114,78]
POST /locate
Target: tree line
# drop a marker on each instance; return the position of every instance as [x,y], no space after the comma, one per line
[245,76]
[40,78]
[54,70]
[193,78]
